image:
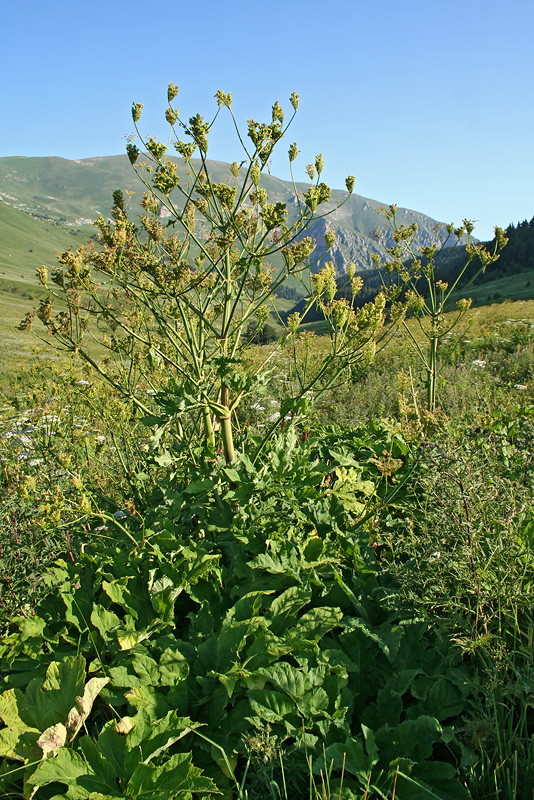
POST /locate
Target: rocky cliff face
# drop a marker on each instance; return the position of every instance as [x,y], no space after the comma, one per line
[355,227]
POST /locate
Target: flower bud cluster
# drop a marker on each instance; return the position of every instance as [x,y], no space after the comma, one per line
[501,238]
[356,284]
[317,195]
[370,316]
[186,149]
[299,251]
[259,197]
[324,281]
[225,194]
[293,151]
[157,149]
[349,183]
[166,178]
[429,252]
[224,99]
[137,109]
[172,91]
[42,274]
[274,215]
[150,203]
[414,301]
[154,229]
[341,312]
[464,304]
[278,113]
[293,321]
[255,174]
[329,238]
[404,233]
[198,129]
[171,115]
[133,153]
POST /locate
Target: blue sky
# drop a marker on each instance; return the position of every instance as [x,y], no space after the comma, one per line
[429,104]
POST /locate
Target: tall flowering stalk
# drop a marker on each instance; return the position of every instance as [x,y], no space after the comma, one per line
[426,296]
[172,297]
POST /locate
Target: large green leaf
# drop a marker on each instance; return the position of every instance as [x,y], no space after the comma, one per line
[314,624]
[288,679]
[413,739]
[348,755]
[173,667]
[153,737]
[149,699]
[66,767]
[176,777]
[101,776]
[443,700]
[284,608]
[55,707]
[270,705]
[105,621]
[51,700]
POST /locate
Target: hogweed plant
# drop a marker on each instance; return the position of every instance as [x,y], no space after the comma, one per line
[427,297]
[168,304]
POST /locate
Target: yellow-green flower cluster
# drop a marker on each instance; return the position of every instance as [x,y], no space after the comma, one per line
[166,178]
[186,149]
[414,301]
[157,149]
[299,251]
[316,195]
[274,215]
[224,99]
[324,281]
[329,238]
[199,131]
[225,194]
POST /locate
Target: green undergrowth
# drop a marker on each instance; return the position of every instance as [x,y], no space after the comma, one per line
[349,616]
[249,603]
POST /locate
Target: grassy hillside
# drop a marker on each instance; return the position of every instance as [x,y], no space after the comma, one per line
[28,242]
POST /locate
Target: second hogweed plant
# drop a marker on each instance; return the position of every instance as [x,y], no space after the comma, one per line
[173,296]
[429,298]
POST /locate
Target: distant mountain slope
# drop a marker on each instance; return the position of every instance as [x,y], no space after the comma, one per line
[27,242]
[69,195]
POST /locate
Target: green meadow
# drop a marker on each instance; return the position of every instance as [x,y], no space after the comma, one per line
[243,555]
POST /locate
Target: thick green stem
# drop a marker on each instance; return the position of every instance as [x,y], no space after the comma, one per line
[226,427]
[432,374]
[208,427]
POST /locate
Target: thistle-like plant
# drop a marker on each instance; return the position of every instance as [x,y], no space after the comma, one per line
[417,272]
[173,298]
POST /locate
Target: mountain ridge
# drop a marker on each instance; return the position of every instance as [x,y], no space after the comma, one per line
[71,193]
